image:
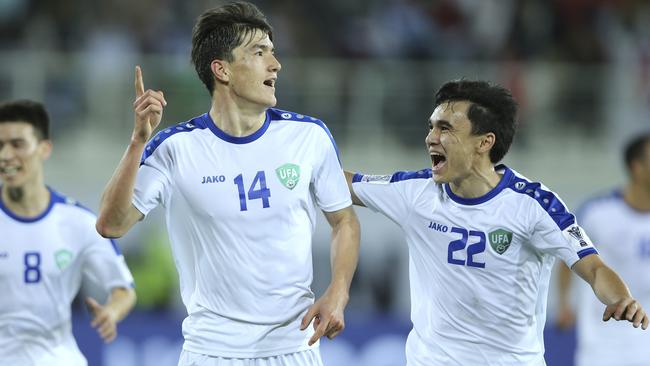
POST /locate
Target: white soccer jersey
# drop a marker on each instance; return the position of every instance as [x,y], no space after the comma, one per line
[240,214]
[42,263]
[479,268]
[623,238]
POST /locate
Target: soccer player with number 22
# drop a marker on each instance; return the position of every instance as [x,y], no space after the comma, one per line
[482,239]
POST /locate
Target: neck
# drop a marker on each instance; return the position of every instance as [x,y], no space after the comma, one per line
[236,119]
[637,196]
[28,200]
[478,182]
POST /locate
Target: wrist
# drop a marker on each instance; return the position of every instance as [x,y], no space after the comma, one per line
[339,290]
[140,137]
[137,142]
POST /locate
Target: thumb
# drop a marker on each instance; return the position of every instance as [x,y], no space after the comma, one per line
[93,305]
[311,313]
[609,312]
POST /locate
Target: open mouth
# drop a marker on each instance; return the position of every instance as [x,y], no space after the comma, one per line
[270,82]
[8,172]
[438,161]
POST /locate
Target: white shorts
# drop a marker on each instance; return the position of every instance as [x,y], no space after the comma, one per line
[310,357]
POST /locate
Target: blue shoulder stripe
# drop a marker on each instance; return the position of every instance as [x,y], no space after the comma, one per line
[280,115]
[407,175]
[162,135]
[60,198]
[546,199]
[116,248]
[395,177]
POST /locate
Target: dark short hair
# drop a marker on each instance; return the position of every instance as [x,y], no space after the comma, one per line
[219,31]
[492,109]
[27,111]
[635,148]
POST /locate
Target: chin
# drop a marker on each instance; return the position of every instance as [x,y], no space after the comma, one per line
[438,178]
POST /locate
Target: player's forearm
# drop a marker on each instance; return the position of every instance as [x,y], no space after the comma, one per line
[345,251]
[121,301]
[608,286]
[115,204]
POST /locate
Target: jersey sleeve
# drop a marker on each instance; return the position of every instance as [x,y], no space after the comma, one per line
[104,265]
[153,182]
[385,194]
[557,232]
[329,186]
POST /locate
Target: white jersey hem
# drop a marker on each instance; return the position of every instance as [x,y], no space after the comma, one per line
[249,354]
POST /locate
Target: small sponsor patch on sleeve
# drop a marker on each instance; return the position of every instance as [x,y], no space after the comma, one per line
[377,179]
[577,238]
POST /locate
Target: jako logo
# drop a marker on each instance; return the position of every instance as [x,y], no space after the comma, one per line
[213,179]
[438,227]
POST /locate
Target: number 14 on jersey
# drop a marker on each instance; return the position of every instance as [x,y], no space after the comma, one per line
[254,192]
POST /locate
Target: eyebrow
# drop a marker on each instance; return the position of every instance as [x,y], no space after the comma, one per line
[263,47]
[440,122]
[13,139]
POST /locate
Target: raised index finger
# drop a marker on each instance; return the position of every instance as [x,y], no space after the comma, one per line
[139,85]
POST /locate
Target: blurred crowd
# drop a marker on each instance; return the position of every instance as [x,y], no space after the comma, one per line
[354,97]
[555,30]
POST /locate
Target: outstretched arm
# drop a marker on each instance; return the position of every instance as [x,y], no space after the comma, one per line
[355,199]
[116,212]
[327,312]
[106,317]
[611,291]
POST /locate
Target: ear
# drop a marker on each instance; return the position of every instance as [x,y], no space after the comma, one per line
[45,149]
[635,168]
[486,142]
[220,71]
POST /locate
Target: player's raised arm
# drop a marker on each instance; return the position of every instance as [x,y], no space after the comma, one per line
[116,213]
[611,291]
[355,199]
[328,310]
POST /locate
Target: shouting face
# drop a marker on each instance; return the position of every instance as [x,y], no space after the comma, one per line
[454,150]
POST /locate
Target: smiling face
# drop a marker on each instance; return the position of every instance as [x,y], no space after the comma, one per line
[455,151]
[252,74]
[21,154]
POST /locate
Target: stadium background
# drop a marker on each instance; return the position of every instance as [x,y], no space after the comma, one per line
[579,68]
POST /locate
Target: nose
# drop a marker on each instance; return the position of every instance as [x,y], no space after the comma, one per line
[5,151]
[433,137]
[275,64]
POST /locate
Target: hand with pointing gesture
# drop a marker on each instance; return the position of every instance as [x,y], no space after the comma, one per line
[148,108]
[326,315]
[627,309]
[104,320]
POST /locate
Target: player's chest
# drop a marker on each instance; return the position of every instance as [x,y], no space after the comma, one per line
[470,240]
[231,182]
[28,256]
